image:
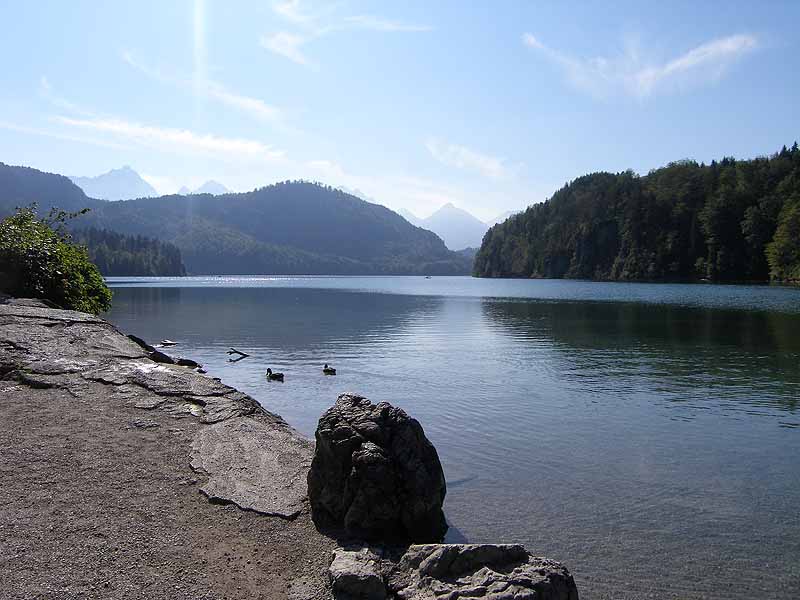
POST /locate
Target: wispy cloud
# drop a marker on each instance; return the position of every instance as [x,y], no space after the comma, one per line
[291,10]
[255,107]
[57,135]
[461,157]
[181,140]
[379,24]
[316,23]
[288,45]
[46,91]
[628,73]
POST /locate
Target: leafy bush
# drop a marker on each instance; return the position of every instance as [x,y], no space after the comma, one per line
[38,260]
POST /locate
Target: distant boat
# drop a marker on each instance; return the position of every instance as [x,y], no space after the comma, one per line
[166,342]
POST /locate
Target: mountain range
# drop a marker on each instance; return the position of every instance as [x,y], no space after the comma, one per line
[126,184]
[287,228]
[458,228]
[215,188]
[117,184]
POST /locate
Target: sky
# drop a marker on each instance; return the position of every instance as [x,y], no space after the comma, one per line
[492,106]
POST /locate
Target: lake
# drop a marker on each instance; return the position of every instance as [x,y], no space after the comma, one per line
[646,435]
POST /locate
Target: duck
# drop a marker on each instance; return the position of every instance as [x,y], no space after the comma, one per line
[328,370]
[274,376]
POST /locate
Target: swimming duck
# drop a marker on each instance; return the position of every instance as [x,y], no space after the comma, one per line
[274,376]
[328,370]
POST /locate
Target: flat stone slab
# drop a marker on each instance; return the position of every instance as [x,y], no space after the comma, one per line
[253,464]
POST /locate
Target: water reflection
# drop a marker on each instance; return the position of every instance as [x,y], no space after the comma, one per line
[681,354]
[287,318]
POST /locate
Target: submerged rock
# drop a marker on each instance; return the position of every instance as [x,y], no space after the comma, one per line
[449,571]
[375,474]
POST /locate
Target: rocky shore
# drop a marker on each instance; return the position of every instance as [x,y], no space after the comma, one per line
[102,454]
[122,476]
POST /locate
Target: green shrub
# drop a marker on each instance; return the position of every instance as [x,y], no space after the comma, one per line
[37,260]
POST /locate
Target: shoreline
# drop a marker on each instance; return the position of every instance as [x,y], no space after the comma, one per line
[125,477]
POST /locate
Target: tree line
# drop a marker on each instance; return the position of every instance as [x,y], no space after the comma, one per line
[732,220]
[116,254]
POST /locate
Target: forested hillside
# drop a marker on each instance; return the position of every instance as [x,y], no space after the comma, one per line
[116,254]
[726,221]
[287,228]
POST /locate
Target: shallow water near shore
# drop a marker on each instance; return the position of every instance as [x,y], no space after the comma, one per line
[647,435]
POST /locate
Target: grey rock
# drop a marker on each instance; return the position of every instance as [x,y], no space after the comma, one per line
[35,302]
[355,575]
[499,572]
[140,342]
[160,357]
[254,465]
[375,475]
[187,362]
[449,572]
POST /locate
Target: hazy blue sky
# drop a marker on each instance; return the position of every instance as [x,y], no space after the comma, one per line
[491,106]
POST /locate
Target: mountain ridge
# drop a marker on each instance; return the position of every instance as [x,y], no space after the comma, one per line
[458,228]
[285,228]
[114,185]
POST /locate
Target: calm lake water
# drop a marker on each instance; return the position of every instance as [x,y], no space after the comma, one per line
[647,435]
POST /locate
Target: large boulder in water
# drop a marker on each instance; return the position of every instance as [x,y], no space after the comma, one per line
[375,475]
